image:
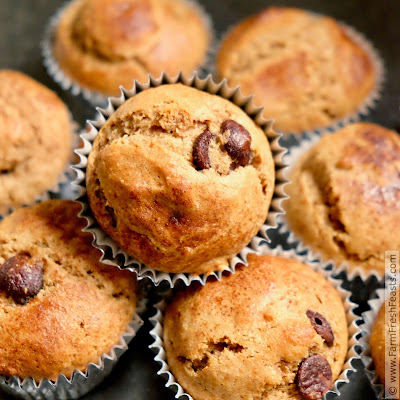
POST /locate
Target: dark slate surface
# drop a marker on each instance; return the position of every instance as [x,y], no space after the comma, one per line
[21,27]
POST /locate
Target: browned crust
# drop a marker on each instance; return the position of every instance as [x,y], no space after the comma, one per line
[146,193]
[35,139]
[83,307]
[244,337]
[377,339]
[304,69]
[345,196]
[120,57]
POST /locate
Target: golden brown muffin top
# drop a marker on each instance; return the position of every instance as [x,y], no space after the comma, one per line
[117,29]
[106,43]
[379,331]
[345,195]
[303,68]
[35,138]
[148,191]
[246,336]
[81,306]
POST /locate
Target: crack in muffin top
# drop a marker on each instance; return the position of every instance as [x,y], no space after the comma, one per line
[142,178]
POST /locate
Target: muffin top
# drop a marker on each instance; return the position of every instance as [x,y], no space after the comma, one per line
[60,308]
[345,196]
[106,43]
[378,334]
[35,139]
[303,68]
[257,334]
[174,167]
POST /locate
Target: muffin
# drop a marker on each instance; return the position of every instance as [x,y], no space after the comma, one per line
[345,196]
[35,139]
[273,330]
[102,44]
[380,330]
[61,308]
[303,68]
[173,172]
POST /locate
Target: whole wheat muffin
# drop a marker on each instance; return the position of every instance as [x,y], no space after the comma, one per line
[102,44]
[345,196]
[380,330]
[60,308]
[273,330]
[303,68]
[180,179]
[35,139]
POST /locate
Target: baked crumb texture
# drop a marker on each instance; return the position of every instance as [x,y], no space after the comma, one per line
[81,310]
[377,340]
[302,67]
[103,44]
[345,196]
[35,139]
[247,336]
[146,192]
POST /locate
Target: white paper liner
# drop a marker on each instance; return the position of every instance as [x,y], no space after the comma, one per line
[81,382]
[92,96]
[291,158]
[369,318]
[65,176]
[111,253]
[364,107]
[258,246]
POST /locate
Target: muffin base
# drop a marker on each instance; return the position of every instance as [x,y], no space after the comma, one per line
[369,318]
[92,96]
[81,382]
[64,178]
[362,110]
[300,247]
[259,246]
[111,253]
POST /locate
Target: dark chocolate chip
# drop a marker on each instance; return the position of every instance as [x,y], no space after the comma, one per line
[201,157]
[314,377]
[239,142]
[21,278]
[321,326]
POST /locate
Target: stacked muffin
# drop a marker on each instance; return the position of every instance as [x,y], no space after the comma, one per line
[380,330]
[179,175]
[62,310]
[273,330]
[35,139]
[102,44]
[307,70]
[345,196]
[171,174]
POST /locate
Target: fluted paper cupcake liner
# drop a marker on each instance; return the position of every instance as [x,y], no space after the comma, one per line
[112,254]
[364,108]
[92,96]
[81,382]
[290,159]
[258,246]
[64,178]
[369,318]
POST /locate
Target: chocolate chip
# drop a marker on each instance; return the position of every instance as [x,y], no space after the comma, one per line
[321,326]
[21,278]
[201,157]
[237,146]
[239,142]
[314,377]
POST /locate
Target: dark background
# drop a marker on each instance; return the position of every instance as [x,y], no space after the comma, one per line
[22,24]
